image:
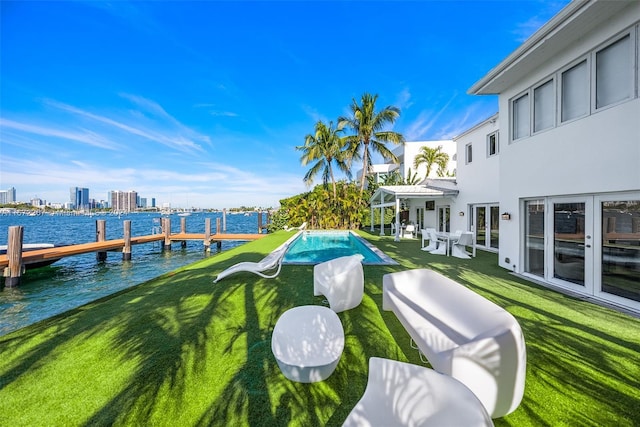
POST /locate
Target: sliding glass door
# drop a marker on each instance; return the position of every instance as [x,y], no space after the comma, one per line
[590,244]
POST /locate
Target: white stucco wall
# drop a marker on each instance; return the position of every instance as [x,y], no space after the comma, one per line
[596,154]
[479,180]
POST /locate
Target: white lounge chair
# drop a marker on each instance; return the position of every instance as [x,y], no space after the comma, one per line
[403,394]
[426,235]
[458,247]
[341,281]
[268,263]
[301,227]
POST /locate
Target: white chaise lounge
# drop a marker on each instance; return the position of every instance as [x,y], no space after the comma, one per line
[341,281]
[271,262]
[462,335]
[299,228]
[403,394]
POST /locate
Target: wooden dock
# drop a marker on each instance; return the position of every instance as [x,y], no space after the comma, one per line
[14,262]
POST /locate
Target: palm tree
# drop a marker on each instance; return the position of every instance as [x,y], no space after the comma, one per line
[324,147]
[368,125]
[430,157]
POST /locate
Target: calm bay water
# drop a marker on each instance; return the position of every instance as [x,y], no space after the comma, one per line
[77,280]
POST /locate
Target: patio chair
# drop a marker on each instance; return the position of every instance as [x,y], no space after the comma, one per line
[426,235]
[403,394]
[341,281]
[441,244]
[459,247]
[268,263]
[410,230]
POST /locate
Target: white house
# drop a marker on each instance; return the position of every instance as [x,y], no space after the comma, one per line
[552,182]
[406,155]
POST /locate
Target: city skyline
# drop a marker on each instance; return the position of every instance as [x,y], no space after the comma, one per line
[176,100]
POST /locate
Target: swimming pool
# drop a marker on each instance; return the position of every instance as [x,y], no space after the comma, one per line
[313,247]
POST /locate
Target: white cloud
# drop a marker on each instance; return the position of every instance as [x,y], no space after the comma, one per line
[178,137]
[84,136]
[205,184]
[403,100]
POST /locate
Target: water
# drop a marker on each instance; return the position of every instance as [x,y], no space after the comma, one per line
[77,280]
[313,247]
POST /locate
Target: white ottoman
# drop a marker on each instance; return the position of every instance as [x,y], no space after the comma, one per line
[307,343]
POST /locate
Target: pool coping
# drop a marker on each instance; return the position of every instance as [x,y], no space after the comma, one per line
[386,259]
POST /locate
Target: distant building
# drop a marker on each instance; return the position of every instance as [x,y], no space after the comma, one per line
[143,202]
[124,201]
[79,198]
[7,196]
[153,202]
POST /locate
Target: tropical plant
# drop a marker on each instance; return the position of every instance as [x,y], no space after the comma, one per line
[319,210]
[324,147]
[370,136]
[430,157]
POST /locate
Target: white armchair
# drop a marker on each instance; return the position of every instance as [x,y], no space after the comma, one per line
[341,281]
[409,231]
[426,235]
[402,394]
[441,244]
[459,247]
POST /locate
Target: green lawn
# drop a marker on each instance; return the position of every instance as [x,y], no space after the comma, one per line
[179,350]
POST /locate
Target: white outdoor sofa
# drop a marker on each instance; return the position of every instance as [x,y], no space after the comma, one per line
[341,281]
[461,334]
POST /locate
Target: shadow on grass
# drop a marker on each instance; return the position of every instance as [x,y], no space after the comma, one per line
[180,350]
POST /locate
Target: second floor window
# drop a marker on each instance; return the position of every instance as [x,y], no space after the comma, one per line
[614,73]
[469,153]
[492,144]
[575,92]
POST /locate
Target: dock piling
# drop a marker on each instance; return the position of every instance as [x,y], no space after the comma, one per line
[259,222]
[207,234]
[101,236]
[126,250]
[183,230]
[13,272]
[224,220]
[166,228]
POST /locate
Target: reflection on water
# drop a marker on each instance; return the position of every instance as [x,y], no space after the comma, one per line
[77,280]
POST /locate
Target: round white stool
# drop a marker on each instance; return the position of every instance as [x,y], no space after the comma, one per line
[307,343]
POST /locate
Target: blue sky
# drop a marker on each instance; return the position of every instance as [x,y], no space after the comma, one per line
[202,103]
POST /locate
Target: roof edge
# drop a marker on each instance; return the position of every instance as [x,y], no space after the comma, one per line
[552,25]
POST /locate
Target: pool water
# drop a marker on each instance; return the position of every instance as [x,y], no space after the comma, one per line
[313,247]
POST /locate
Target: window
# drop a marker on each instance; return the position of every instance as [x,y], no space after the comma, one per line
[469,153]
[543,107]
[521,117]
[575,92]
[492,144]
[614,73]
